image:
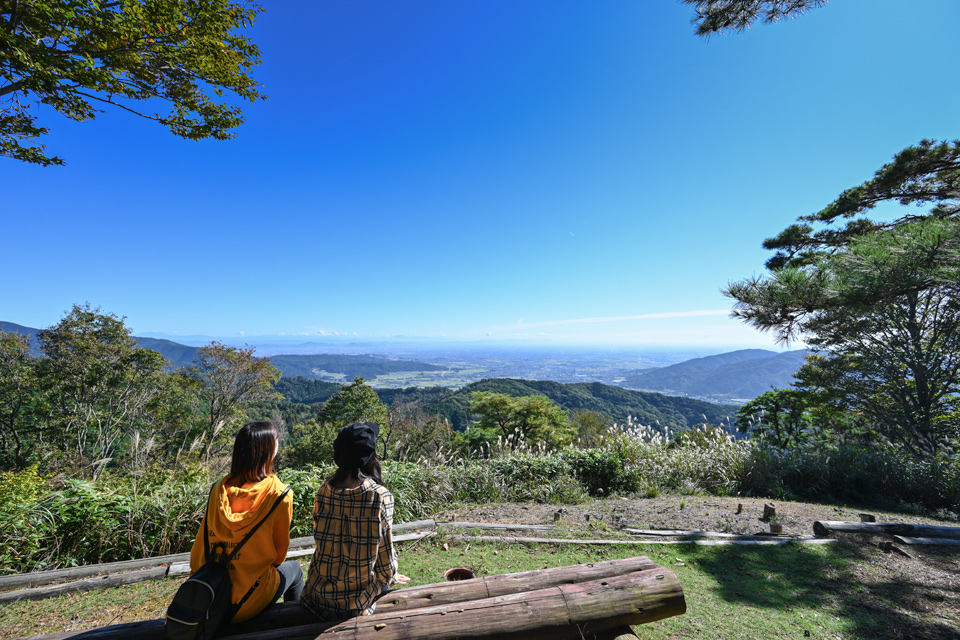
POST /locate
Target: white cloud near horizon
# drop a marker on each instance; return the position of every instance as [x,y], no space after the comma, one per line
[595,320]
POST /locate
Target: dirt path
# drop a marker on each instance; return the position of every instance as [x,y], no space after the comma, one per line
[675,512]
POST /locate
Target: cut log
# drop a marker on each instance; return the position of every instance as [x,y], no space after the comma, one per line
[761,540]
[179,564]
[943,542]
[696,535]
[497,525]
[308,541]
[507,583]
[74,573]
[282,616]
[823,528]
[579,610]
[102,582]
[527,540]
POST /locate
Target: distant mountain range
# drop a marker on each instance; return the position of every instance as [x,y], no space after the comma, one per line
[291,366]
[738,375]
[734,377]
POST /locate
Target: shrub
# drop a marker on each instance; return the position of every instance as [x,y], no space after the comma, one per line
[27,525]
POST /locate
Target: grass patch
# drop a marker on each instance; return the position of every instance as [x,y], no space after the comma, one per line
[830,591]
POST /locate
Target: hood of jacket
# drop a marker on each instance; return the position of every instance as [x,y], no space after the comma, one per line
[240,509]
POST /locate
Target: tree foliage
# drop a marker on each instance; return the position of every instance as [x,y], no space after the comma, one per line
[77,56]
[525,419]
[877,299]
[230,379]
[414,434]
[356,402]
[101,386]
[20,399]
[719,16]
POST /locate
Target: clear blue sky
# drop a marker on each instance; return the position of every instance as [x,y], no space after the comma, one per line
[548,170]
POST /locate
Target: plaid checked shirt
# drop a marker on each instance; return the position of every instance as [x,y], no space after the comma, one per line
[354,560]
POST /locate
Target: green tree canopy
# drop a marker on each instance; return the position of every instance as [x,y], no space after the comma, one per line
[101,386]
[77,56]
[526,419]
[878,299]
[229,380]
[20,401]
[356,402]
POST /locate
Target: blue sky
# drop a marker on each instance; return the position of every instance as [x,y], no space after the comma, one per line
[537,171]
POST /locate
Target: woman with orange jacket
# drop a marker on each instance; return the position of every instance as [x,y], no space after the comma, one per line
[237,503]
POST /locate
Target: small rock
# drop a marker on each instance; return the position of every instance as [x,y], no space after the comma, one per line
[446,547]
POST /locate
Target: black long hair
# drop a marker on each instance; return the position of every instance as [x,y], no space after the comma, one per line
[253,452]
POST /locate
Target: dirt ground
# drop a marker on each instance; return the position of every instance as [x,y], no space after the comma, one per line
[688,513]
[924,581]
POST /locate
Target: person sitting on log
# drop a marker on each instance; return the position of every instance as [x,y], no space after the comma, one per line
[237,503]
[354,562]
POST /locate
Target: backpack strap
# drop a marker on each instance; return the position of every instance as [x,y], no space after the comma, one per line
[206,518]
[206,525]
[256,584]
[257,526]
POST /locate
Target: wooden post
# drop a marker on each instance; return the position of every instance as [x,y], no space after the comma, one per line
[769,511]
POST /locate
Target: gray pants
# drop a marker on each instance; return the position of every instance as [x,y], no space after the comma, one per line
[291,581]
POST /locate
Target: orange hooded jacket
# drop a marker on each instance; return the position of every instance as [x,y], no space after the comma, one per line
[233,513]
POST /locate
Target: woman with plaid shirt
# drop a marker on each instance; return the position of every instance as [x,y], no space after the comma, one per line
[354,561]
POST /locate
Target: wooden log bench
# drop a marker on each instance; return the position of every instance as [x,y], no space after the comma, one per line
[593,600]
[823,528]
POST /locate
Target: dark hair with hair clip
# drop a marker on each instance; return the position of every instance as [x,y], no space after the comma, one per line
[253,452]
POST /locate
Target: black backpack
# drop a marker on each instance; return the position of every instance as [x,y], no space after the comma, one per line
[202,606]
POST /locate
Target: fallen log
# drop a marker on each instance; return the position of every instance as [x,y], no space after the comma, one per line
[73,573]
[180,567]
[308,541]
[282,616]
[497,525]
[766,540]
[88,584]
[569,611]
[527,540]
[694,535]
[822,528]
[943,542]
[37,578]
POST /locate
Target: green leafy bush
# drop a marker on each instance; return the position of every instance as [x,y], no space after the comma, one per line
[27,524]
